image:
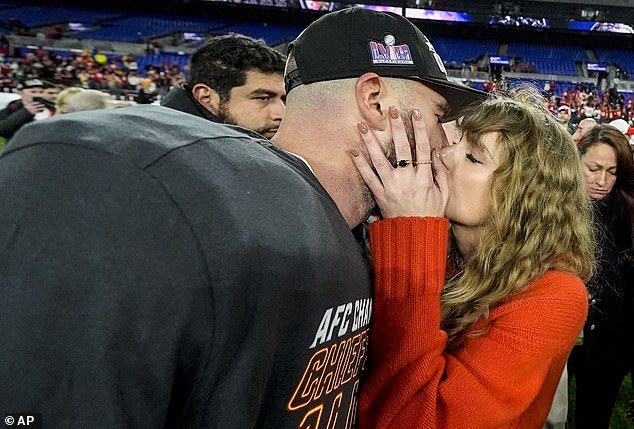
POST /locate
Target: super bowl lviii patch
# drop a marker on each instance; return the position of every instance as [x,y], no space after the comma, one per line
[389,52]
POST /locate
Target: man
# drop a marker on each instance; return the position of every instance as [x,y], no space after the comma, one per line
[584,127]
[50,92]
[235,80]
[161,271]
[563,115]
[24,110]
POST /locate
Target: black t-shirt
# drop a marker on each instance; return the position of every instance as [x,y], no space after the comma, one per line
[159,270]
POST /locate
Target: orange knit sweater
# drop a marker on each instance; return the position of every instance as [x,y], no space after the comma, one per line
[505,378]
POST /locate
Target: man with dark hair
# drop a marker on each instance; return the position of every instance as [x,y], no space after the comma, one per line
[162,271]
[236,80]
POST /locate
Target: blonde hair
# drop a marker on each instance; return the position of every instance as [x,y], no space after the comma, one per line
[61,102]
[88,99]
[540,213]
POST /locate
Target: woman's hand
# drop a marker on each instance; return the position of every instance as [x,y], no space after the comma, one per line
[409,188]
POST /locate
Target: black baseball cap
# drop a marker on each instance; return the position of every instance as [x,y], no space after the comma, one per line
[31,83]
[353,41]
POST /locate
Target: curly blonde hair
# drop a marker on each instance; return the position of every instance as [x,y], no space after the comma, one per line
[540,212]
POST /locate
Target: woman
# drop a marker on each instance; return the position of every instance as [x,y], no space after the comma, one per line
[605,356]
[61,102]
[482,342]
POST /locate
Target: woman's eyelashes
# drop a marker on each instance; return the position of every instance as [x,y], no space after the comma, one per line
[472,158]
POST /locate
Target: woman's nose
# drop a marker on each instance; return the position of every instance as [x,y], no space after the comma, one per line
[447,154]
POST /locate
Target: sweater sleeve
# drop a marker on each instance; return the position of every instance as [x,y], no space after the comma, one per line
[491,380]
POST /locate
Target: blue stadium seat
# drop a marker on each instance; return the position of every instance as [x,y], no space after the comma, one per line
[161,59]
[460,50]
[272,34]
[549,59]
[144,27]
[625,59]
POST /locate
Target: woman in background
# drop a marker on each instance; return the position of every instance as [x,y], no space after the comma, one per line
[477,336]
[605,356]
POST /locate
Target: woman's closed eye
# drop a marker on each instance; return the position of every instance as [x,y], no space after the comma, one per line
[472,158]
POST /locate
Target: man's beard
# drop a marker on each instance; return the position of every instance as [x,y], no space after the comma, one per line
[227,118]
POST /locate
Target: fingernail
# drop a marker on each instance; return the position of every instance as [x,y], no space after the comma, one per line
[393,111]
[354,152]
[363,127]
[417,115]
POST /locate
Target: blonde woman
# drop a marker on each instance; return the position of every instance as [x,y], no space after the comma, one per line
[475,336]
[61,102]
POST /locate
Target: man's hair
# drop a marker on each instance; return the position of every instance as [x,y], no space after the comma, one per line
[222,62]
[540,216]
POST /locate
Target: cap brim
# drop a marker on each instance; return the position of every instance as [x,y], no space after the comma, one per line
[458,96]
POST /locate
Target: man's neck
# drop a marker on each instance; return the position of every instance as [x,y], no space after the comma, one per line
[331,163]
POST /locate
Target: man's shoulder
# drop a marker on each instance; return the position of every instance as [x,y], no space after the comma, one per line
[148,136]
[13,106]
[180,98]
[176,98]
[141,134]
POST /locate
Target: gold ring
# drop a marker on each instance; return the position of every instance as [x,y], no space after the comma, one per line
[425,161]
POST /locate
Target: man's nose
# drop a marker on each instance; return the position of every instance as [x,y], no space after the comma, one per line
[277,110]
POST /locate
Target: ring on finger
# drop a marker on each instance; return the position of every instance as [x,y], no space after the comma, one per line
[424,161]
[404,162]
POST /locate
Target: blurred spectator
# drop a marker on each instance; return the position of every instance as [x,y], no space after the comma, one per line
[585,125]
[50,91]
[563,116]
[89,99]
[625,128]
[605,357]
[55,32]
[49,96]
[23,111]
[61,102]
[622,125]
[236,80]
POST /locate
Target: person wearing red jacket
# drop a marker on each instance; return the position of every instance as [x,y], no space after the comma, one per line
[479,270]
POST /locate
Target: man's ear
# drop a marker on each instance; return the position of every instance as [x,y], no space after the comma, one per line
[370,93]
[207,96]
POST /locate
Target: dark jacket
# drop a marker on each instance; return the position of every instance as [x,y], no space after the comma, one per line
[13,117]
[600,364]
[608,330]
[181,98]
[161,271]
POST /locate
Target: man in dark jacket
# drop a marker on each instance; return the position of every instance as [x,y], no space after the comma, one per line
[162,271]
[235,80]
[22,111]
